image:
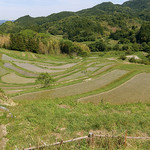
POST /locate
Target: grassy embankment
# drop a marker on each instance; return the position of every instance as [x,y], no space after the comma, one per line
[46,119]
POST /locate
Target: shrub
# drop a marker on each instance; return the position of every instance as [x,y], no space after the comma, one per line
[98,46]
[129,52]
[1,90]
[125,47]
[45,79]
[132,60]
[123,57]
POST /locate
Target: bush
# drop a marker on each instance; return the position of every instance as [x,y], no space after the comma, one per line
[129,52]
[72,48]
[116,47]
[125,47]
[45,79]
[132,60]
[1,90]
[123,57]
[98,46]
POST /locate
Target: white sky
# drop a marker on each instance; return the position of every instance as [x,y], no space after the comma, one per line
[13,9]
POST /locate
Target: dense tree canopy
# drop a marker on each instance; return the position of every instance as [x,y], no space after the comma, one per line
[144,33]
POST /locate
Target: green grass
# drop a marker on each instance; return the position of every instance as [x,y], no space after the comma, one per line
[44,119]
[39,57]
[64,118]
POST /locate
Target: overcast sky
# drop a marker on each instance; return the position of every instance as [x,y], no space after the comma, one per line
[13,9]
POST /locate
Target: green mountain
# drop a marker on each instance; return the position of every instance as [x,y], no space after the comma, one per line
[114,14]
[27,20]
[105,8]
[138,5]
[141,7]
[114,26]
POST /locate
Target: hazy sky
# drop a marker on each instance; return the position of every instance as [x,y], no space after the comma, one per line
[13,9]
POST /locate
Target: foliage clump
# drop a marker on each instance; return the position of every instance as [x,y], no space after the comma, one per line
[45,80]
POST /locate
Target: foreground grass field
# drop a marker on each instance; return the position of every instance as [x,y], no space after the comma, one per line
[120,90]
[48,120]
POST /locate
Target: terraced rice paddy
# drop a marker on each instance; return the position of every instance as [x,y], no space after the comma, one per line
[66,74]
[92,69]
[74,77]
[12,91]
[2,71]
[13,78]
[76,89]
[103,69]
[5,57]
[135,90]
[66,66]
[84,73]
[35,68]
[25,73]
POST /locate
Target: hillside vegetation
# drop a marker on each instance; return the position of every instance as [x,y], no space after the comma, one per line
[71,73]
[104,27]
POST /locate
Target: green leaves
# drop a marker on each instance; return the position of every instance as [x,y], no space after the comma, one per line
[45,79]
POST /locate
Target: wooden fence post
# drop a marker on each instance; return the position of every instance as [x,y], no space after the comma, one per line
[91,139]
[61,142]
[125,139]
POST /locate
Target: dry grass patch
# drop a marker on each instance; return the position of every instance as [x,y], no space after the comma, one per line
[135,90]
[13,78]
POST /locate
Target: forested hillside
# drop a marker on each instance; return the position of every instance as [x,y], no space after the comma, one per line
[104,27]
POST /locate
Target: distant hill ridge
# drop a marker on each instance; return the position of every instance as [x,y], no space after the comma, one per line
[129,7]
[59,23]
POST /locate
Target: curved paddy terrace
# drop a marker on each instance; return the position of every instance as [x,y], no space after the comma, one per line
[13,78]
[3,71]
[20,71]
[34,68]
[136,89]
